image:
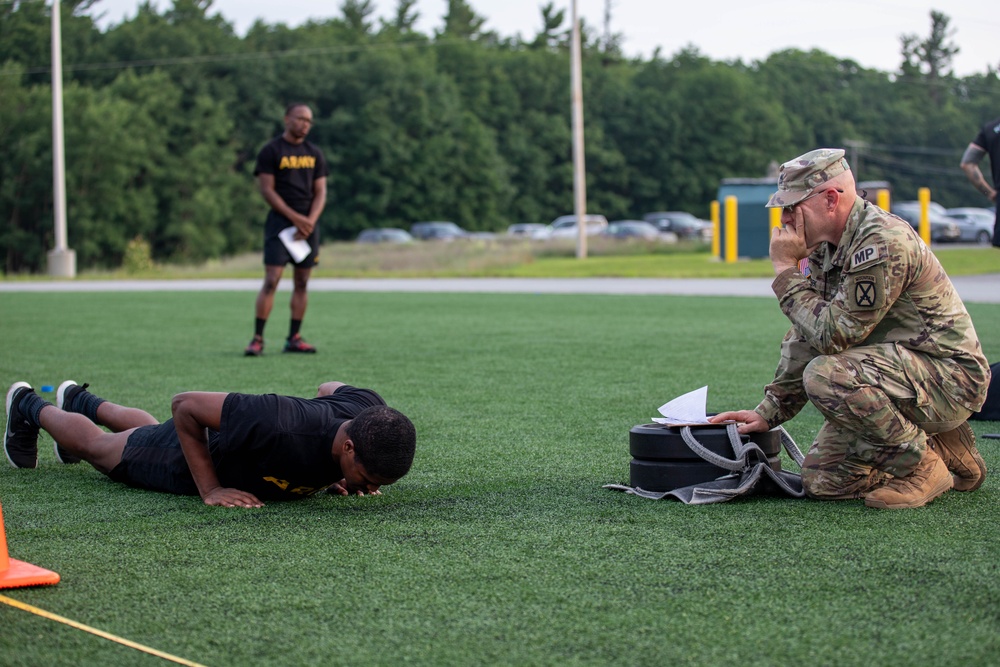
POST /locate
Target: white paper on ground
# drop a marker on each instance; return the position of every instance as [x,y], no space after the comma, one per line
[299,249]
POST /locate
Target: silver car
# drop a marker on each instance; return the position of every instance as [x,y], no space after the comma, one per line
[384,235]
[943,228]
[564,227]
[975,224]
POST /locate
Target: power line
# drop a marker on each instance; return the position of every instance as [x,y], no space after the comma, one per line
[912,168]
[228,57]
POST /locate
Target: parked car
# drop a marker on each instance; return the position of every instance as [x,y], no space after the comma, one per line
[564,227]
[528,229]
[437,230]
[636,229]
[685,225]
[384,235]
[943,228]
[975,224]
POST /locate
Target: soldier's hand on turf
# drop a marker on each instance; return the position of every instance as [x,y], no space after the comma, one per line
[748,420]
[223,497]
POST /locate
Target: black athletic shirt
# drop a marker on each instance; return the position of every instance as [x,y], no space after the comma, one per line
[280,447]
[294,167]
[989,140]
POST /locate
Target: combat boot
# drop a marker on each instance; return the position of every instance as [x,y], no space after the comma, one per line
[928,481]
[957,448]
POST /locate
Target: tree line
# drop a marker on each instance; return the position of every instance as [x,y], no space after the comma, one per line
[165,112]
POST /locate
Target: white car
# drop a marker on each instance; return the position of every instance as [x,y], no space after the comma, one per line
[564,227]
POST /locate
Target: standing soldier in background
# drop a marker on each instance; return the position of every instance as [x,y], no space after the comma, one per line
[880,343]
[291,174]
[987,141]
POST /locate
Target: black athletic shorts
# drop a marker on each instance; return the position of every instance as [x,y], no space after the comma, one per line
[153,460]
[275,252]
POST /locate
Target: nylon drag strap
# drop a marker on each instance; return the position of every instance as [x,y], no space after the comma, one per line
[746,470]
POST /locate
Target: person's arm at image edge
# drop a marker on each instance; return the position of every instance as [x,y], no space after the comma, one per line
[970,165]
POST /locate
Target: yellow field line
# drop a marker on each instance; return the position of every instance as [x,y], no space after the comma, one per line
[94,631]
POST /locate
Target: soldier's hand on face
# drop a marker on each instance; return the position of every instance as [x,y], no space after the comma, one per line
[748,420]
[788,243]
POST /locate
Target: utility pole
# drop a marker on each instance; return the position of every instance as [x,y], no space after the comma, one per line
[62,260]
[579,173]
[856,147]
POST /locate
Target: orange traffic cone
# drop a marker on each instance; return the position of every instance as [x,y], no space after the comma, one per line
[15,573]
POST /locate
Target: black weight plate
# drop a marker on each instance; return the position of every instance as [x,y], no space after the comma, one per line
[768,441]
[670,475]
[655,441]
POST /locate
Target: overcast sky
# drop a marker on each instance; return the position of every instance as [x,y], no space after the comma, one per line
[866,31]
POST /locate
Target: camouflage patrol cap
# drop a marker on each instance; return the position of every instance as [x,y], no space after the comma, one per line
[799,177]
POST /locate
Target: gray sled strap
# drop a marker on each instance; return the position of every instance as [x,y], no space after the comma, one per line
[735,465]
[746,468]
[791,447]
[746,471]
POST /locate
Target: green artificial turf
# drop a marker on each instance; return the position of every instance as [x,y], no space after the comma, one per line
[500,547]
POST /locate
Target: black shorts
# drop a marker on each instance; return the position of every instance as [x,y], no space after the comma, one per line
[275,252]
[153,459]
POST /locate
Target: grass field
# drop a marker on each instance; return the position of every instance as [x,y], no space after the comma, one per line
[500,547]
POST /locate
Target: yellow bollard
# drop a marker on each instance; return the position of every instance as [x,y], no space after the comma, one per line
[775,214]
[882,199]
[924,196]
[713,210]
[731,240]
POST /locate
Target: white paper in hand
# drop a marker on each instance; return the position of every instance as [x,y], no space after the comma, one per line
[686,409]
[299,249]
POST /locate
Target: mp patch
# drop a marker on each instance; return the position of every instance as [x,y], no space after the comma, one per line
[864,256]
[868,293]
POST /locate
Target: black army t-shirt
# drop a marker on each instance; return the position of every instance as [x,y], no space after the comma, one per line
[280,447]
[295,167]
[989,140]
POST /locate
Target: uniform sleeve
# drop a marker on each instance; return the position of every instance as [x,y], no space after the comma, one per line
[867,291]
[980,140]
[248,420]
[785,396]
[265,160]
[322,169]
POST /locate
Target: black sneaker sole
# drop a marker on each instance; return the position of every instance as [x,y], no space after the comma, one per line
[6,433]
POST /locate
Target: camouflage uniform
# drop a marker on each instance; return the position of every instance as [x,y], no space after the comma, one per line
[880,343]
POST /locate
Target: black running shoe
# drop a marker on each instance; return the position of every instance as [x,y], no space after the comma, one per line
[255,348]
[20,439]
[65,394]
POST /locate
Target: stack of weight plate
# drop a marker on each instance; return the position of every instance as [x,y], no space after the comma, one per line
[662,461]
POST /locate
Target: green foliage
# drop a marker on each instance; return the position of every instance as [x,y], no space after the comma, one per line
[166,111]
